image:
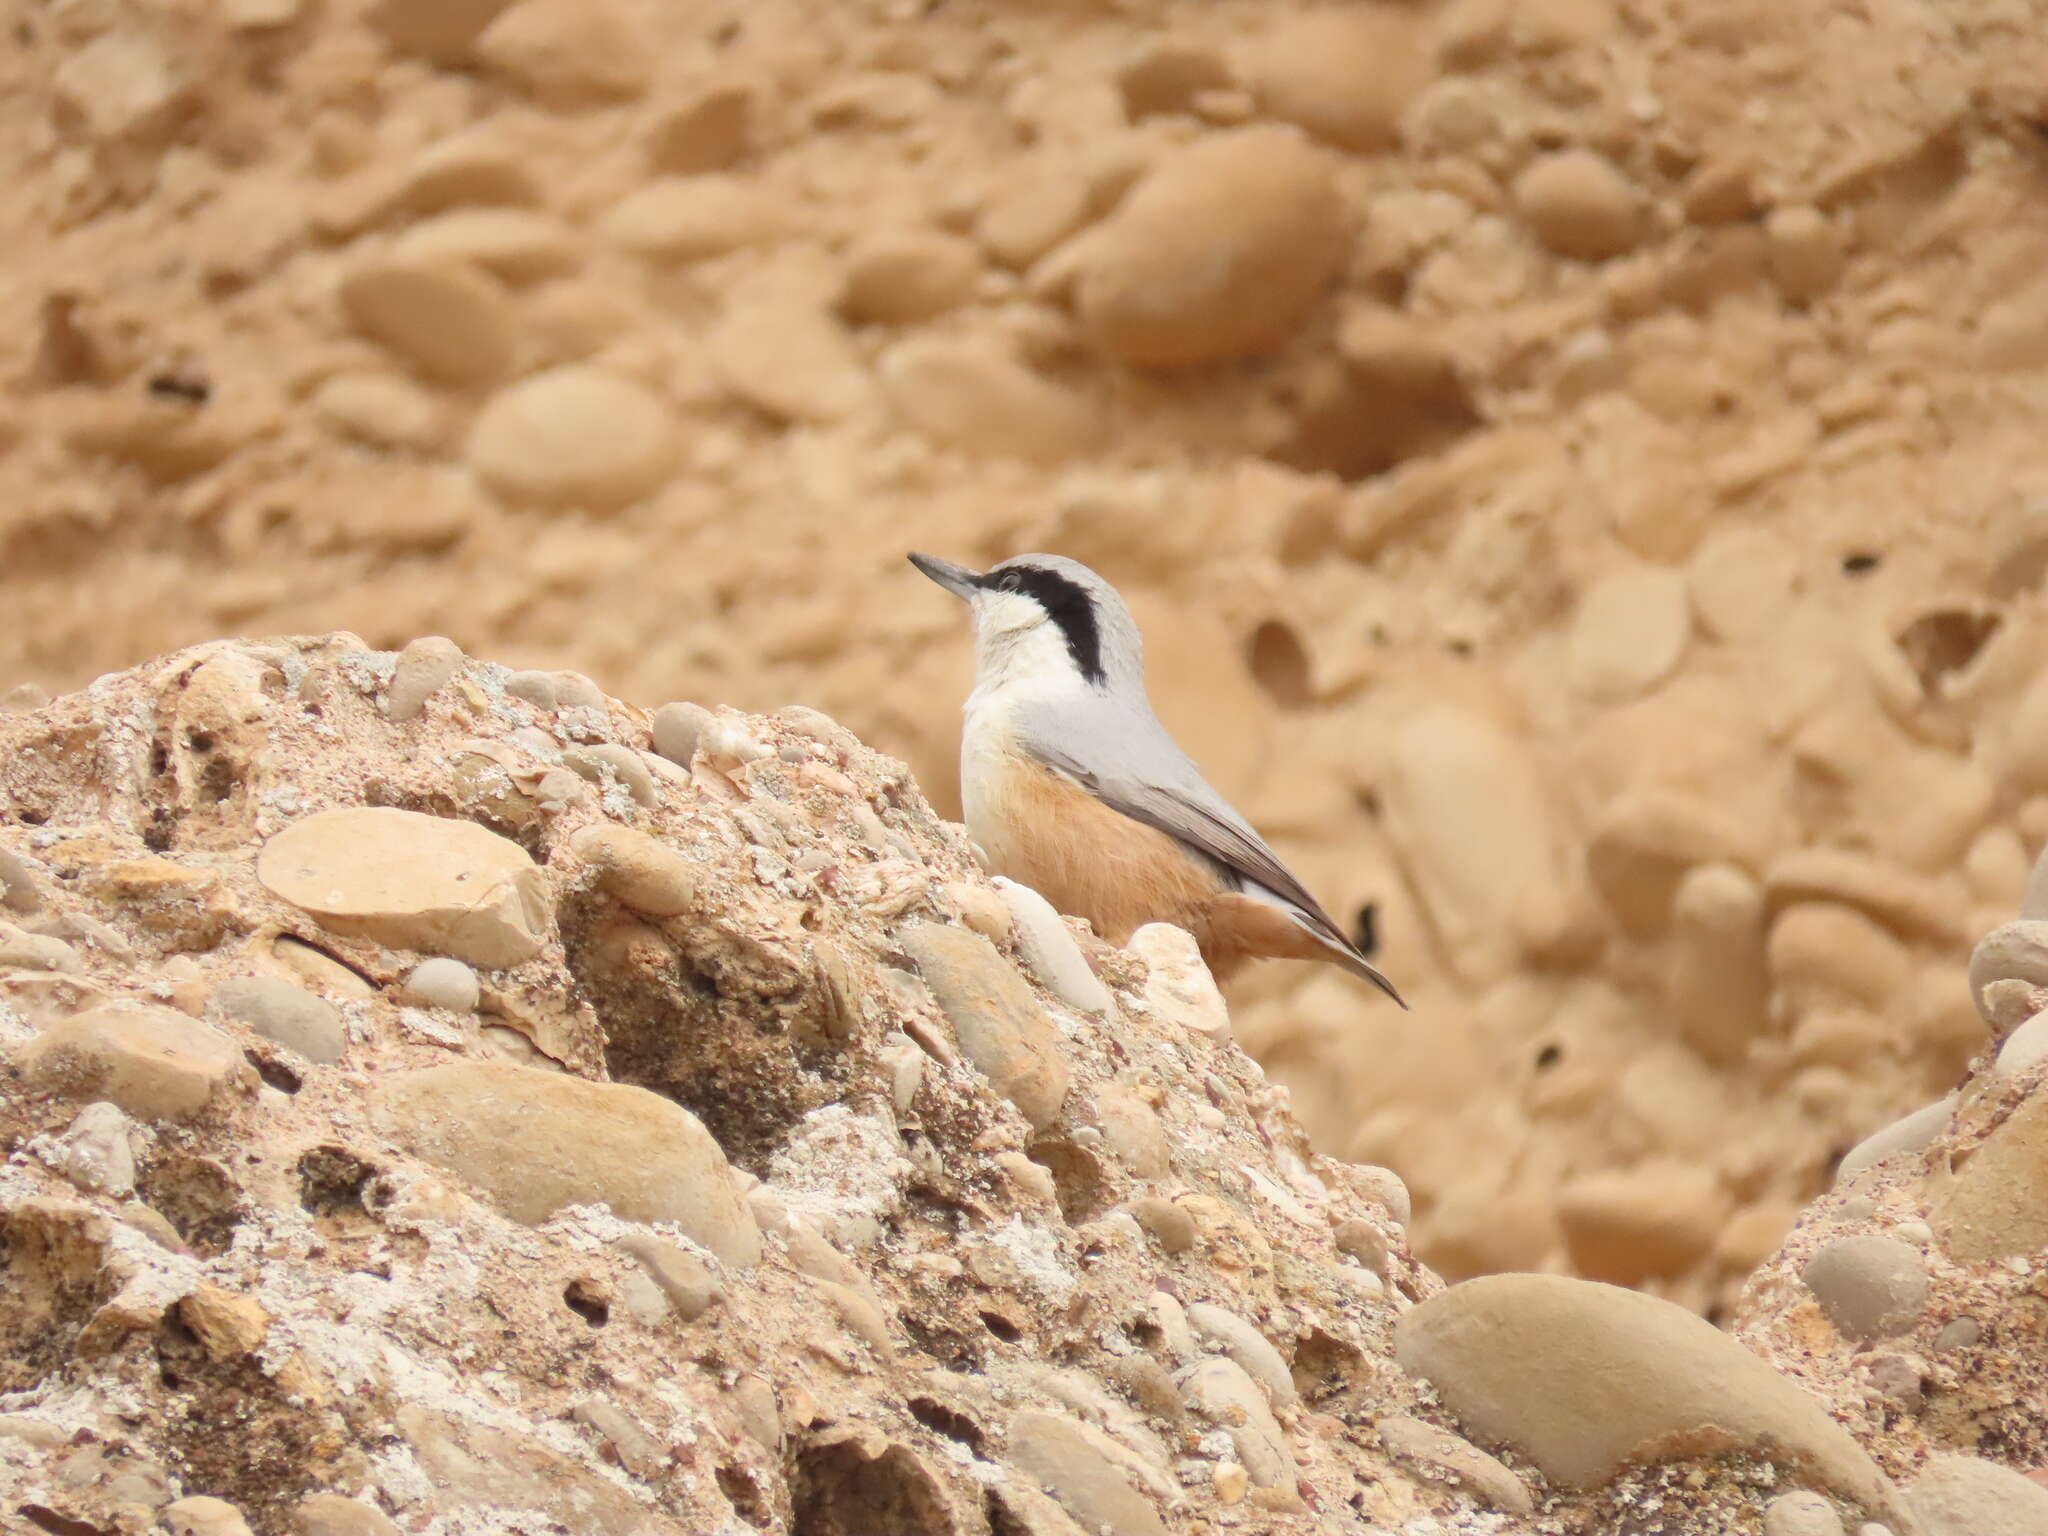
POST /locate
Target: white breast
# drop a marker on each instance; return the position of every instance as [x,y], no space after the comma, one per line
[987,749]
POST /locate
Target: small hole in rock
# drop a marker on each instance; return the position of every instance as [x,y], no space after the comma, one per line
[940,1419]
[1355,425]
[1325,1367]
[217,779]
[172,384]
[332,1181]
[1077,1178]
[161,832]
[744,1495]
[274,1072]
[1004,1521]
[839,1489]
[1279,662]
[176,1346]
[584,1300]
[43,1518]
[1549,1057]
[1943,642]
[1860,562]
[1001,1327]
[1366,929]
[197,1196]
[199,741]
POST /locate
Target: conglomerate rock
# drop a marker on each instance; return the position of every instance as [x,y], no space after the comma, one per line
[775,1171]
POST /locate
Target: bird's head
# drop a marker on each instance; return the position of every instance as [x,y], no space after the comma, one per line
[1044,617]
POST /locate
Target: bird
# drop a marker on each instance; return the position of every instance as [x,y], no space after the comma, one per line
[1072,786]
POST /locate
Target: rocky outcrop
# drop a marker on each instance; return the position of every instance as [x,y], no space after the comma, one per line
[699,1141]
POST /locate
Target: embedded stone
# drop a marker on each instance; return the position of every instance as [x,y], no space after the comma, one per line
[1909,1133]
[2024,1047]
[1382,1187]
[1221,1391]
[537,1141]
[574,436]
[1628,633]
[1362,1241]
[971,392]
[1178,987]
[622,763]
[1719,981]
[1422,1445]
[644,874]
[1806,249]
[1585,1378]
[38,952]
[437,29]
[1823,954]
[707,131]
[335,1514]
[514,245]
[1801,1513]
[290,1015]
[1086,1472]
[1643,844]
[908,275]
[18,890]
[1225,1330]
[2018,951]
[570,53]
[451,322]
[1968,1494]
[1217,254]
[382,410]
[1344,74]
[1132,1130]
[677,730]
[203,1516]
[1871,1287]
[1049,950]
[790,360]
[998,1023]
[1996,1204]
[683,1278]
[96,1153]
[423,667]
[1911,906]
[443,983]
[691,218]
[155,1063]
[412,881]
[1578,204]
[1170,1226]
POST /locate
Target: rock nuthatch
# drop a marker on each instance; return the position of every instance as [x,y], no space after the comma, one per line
[1073,787]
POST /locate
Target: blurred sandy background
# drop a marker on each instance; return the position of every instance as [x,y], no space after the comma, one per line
[1579,466]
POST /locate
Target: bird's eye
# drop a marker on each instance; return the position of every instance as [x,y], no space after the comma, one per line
[1010,581]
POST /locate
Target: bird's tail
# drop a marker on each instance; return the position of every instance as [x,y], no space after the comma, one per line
[1346,954]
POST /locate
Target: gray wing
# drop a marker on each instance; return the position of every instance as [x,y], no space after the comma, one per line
[1173,796]
[1196,815]
[1184,806]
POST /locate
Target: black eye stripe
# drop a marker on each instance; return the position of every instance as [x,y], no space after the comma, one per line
[1067,604]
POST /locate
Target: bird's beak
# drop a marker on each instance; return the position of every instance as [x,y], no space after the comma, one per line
[957,579]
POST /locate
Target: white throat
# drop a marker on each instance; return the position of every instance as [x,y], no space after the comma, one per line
[1019,654]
